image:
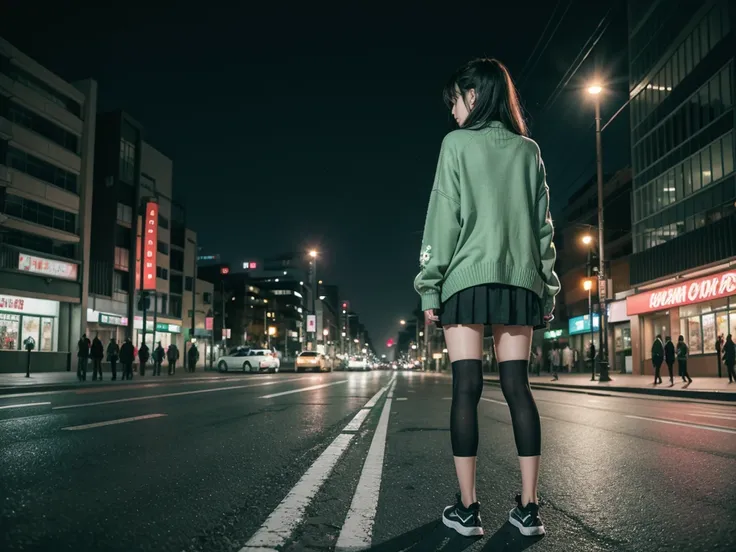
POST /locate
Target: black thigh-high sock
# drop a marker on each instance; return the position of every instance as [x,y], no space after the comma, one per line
[524,413]
[467,386]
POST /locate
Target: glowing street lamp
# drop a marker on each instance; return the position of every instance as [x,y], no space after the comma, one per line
[595,89]
[402,322]
[587,239]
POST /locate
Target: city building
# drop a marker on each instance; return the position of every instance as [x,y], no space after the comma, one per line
[683,213]
[47,140]
[129,175]
[577,262]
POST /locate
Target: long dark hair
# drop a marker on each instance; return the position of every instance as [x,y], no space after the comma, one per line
[496,98]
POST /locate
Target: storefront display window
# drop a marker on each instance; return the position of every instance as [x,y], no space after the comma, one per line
[623,337]
[31,328]
[701,324]
[47,335]
[9,326]
[709,333]
[656,325]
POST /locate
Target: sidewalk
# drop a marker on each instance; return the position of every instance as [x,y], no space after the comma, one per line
[701,388]
[59,381]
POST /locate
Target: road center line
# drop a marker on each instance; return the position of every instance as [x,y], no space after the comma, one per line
[494,401]
[719,416]
[177,394]
[113,422]
[684,424]
[280,525]
[358,420]
[310,388]
[24,405]
[357,531]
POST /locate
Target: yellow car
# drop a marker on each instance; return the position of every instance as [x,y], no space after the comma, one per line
[311,360]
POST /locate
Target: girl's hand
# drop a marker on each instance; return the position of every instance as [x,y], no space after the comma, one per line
[548,318]
[430,316]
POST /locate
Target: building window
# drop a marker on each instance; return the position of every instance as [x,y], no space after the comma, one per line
[9,329]
[38,243]
[163,248]
[175,306]
[125,213]
[163,222]
[38,213]
[35,167]
[162,273]
[38,124]
[176,261]
[163,304]
[175,284]
[40,87]
[127,161]
[122,236]
[207,298]
[120,281]
[188,283]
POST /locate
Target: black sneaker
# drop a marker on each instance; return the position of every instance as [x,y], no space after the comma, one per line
[526,518]
[465,521]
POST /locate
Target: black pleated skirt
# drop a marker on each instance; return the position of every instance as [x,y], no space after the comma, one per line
[490,304]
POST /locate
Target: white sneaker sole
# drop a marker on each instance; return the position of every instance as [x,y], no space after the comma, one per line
[460,528]
[526,531]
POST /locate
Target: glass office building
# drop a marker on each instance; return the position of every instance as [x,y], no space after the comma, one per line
[681,65]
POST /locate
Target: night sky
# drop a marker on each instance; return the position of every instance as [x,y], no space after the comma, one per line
[293,127]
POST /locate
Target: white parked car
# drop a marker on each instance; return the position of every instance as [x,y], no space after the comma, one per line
[358,363]
[250,360]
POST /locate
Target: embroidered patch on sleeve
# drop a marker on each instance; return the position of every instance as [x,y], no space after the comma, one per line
[425,256]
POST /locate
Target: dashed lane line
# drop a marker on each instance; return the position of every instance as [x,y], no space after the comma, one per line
[113,422]
[177,394]
[301,390]
[26,405]
[685,424]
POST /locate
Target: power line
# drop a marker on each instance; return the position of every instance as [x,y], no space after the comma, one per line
[549,39]
[570,74]
[539,40]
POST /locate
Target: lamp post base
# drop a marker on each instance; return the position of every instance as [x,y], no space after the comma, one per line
[603,372]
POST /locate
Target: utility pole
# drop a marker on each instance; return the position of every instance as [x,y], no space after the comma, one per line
[602,283]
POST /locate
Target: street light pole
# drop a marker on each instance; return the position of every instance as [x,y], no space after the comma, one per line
[313,254]
[602,287]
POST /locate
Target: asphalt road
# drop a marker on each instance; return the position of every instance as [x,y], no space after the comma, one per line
[345,461]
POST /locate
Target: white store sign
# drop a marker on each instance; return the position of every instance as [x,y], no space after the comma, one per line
[47,267]
[27,305]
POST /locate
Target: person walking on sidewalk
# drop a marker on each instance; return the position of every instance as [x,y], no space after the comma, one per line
[144,354]
[729,358]
[555,363]
[669,357]
[82,357]
[172,354]
[127,358]
[591,358]
[159,354]
[719,352]
[113,352]
[682,353]
[97,353]
[487,259]
[657,358]
[567,358]
[192,357]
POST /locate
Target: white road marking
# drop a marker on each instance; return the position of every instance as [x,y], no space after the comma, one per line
[402,399]
[356,422]
[113,422]
[310,388]
[446,398]
[23,405]
[494,401]
[546,418]
[357,531]
[371,403]
[714,416]
[164,395]
[685,424]
[287,516]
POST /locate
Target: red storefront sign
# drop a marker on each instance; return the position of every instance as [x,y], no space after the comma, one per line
[150,239]
[685,293]
[209,322]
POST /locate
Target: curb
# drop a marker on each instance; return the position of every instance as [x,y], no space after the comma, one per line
[611,391]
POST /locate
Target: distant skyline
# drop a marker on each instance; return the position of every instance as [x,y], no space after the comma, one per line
[292,128]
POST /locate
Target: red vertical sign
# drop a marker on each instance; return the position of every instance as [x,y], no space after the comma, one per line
[150,240]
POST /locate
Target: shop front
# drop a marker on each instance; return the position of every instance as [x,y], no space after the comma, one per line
[700,309]
[167,333]
[106,326]
[581,336]
[619,337]
[24,317]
